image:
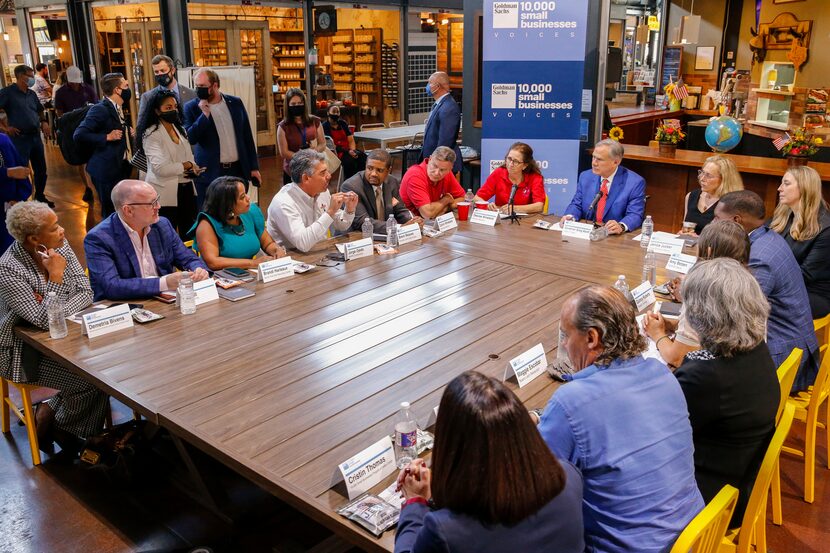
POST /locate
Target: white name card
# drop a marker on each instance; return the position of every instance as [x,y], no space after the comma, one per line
[368,467]
[408,233]
[643,296]
[276,269]
[107,320]
[446,222]
[358,248]
[681,263]
[529,365]
[572,229]
[205,291]
[666,245]
[485,217]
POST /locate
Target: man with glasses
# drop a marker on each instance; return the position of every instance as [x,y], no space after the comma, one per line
[134,253]
[620,194]
[302,211]
[430,189]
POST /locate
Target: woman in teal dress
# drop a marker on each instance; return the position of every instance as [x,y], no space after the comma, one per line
[230,231]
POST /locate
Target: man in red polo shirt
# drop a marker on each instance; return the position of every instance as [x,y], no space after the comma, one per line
[430,189]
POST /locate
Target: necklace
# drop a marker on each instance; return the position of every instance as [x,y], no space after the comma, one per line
[239,229]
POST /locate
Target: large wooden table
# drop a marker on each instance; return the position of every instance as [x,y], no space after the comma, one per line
[284,386]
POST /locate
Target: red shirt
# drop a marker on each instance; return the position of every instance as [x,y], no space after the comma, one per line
[531,189]
[417,190]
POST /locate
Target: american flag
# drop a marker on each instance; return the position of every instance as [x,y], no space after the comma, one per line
[680,91]
[781,141]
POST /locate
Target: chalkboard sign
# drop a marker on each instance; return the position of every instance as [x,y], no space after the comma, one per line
[671,66]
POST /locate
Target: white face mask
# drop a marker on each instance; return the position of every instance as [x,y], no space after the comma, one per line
[3,116]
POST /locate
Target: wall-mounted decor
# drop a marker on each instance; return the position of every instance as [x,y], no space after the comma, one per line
[705,58]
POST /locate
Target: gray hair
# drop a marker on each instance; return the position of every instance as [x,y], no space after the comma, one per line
[442,153]
[380,155]
[612,315]
[304,162]
[614,148]
[725,306]
[25,219]
[123,192]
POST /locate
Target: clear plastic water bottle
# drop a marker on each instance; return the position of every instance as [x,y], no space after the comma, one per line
[391,232]
[650,268]
[368,229]
[647,231]
[406,436]
[469,196]
[57,316]
[622,286]
[187,297]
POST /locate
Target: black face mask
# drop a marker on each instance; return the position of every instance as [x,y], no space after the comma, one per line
[203,92]
[334,118]
[126,94]
[164,79]
[170,116]
[296,111]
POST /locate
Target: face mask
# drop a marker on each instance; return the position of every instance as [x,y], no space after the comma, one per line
[126,94]
[170,116]
[334,118]
[31,82]
[3,116]
[296,111]
[429,90]
[164,79]
[203,92]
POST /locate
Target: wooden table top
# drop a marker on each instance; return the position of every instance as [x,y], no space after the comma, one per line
[285,386]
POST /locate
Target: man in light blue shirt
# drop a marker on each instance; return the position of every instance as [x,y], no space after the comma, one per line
[624,423]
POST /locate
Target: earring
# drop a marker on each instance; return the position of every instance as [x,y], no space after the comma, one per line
[233,214]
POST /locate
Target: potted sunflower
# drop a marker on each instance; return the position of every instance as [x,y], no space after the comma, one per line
[668,136]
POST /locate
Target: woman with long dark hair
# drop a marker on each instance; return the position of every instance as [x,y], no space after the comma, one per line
[521,170]
[298,130]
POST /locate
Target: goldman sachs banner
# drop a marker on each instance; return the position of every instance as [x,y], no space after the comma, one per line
[533,59]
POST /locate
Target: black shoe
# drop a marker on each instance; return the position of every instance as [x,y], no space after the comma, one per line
[46,201]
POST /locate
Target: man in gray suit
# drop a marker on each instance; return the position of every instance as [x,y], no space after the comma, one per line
[165,71]
[378,194]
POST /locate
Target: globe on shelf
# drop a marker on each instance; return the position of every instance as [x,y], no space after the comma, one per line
[723,133]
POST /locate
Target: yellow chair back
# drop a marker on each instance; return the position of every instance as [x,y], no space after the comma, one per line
[706,531]
[545,208]
[822,328]
[786,377]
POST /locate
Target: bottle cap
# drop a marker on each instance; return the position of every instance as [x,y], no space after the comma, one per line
[404,405]
[621,277]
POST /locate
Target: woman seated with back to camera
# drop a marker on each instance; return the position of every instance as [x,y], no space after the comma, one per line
[496,485]
[230,230]
[521,170]
[717,177]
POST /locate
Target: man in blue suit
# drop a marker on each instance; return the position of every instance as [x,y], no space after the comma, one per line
[622,193]
[219,129]
[444,121]
[772,263]
[133,253]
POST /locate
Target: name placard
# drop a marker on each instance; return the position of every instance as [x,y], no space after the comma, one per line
[368,467]
[643,296]
[104,321]
[681,263]
[529,365]
[358,248]
[276,269]
[205,291]
[572,229]
[666,246]
[446,222]
[485,217]
[408,233]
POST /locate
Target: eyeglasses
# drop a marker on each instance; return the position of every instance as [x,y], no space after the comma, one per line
[703,175]
[154,203]
[511,161]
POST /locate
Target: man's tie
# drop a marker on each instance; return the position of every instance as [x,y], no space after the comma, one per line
[601,204]
[379,203]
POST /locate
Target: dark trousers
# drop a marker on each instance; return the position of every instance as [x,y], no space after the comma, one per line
[30,148]
[235,170]
[104,187]
[352,165]
[183,215]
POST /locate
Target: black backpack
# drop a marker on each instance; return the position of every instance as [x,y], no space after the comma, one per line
[75,153]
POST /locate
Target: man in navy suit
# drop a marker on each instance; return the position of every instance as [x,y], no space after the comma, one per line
[622,193]
[133,253]
[218,127]
[105,128]
[444,121]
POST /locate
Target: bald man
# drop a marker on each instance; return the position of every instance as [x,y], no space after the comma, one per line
[134,253]
[444,120]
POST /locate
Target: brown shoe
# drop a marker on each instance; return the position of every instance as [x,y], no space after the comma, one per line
[44,421]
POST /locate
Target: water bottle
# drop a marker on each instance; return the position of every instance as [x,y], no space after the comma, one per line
[391,232]
[647,231]
[368,229]
[406,436]
[468,197]
[622,286]
[650,268]
[57,317]
[187,297]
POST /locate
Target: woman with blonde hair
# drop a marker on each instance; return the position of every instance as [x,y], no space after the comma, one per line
[803,219]
[718,176]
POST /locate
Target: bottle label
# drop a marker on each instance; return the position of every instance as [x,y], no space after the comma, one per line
[406,439]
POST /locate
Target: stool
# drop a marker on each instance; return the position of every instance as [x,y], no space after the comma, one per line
[27,414]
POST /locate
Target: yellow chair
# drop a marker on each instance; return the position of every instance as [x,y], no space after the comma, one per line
[545,207]
[807,405]
[753,526]
[706,531]
[786,377]
[26,414]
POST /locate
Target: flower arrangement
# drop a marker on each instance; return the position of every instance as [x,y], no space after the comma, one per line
[668,134]
[616,133]
[802,144]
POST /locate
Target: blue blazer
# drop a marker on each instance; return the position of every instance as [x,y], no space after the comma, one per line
[11,190]
[201,133]
[626,202]
[113,266]
[442,130]
[107,161]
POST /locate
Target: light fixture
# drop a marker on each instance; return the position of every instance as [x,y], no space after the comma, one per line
[444,21]
[3,29]
[63,37]
[430,21]
[690,27]
[60,50]
[5,36]
[642,33]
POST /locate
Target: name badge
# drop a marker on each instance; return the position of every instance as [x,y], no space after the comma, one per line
[358,248]
[485,217]
[666,246]
[276,269]
[681,263]
[408,233]
[643,296]
[572,229]
[529,365]
[446,222]
[205,291]
[368,467]
[107,320]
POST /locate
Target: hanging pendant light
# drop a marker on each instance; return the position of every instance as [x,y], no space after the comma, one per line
[690,27]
